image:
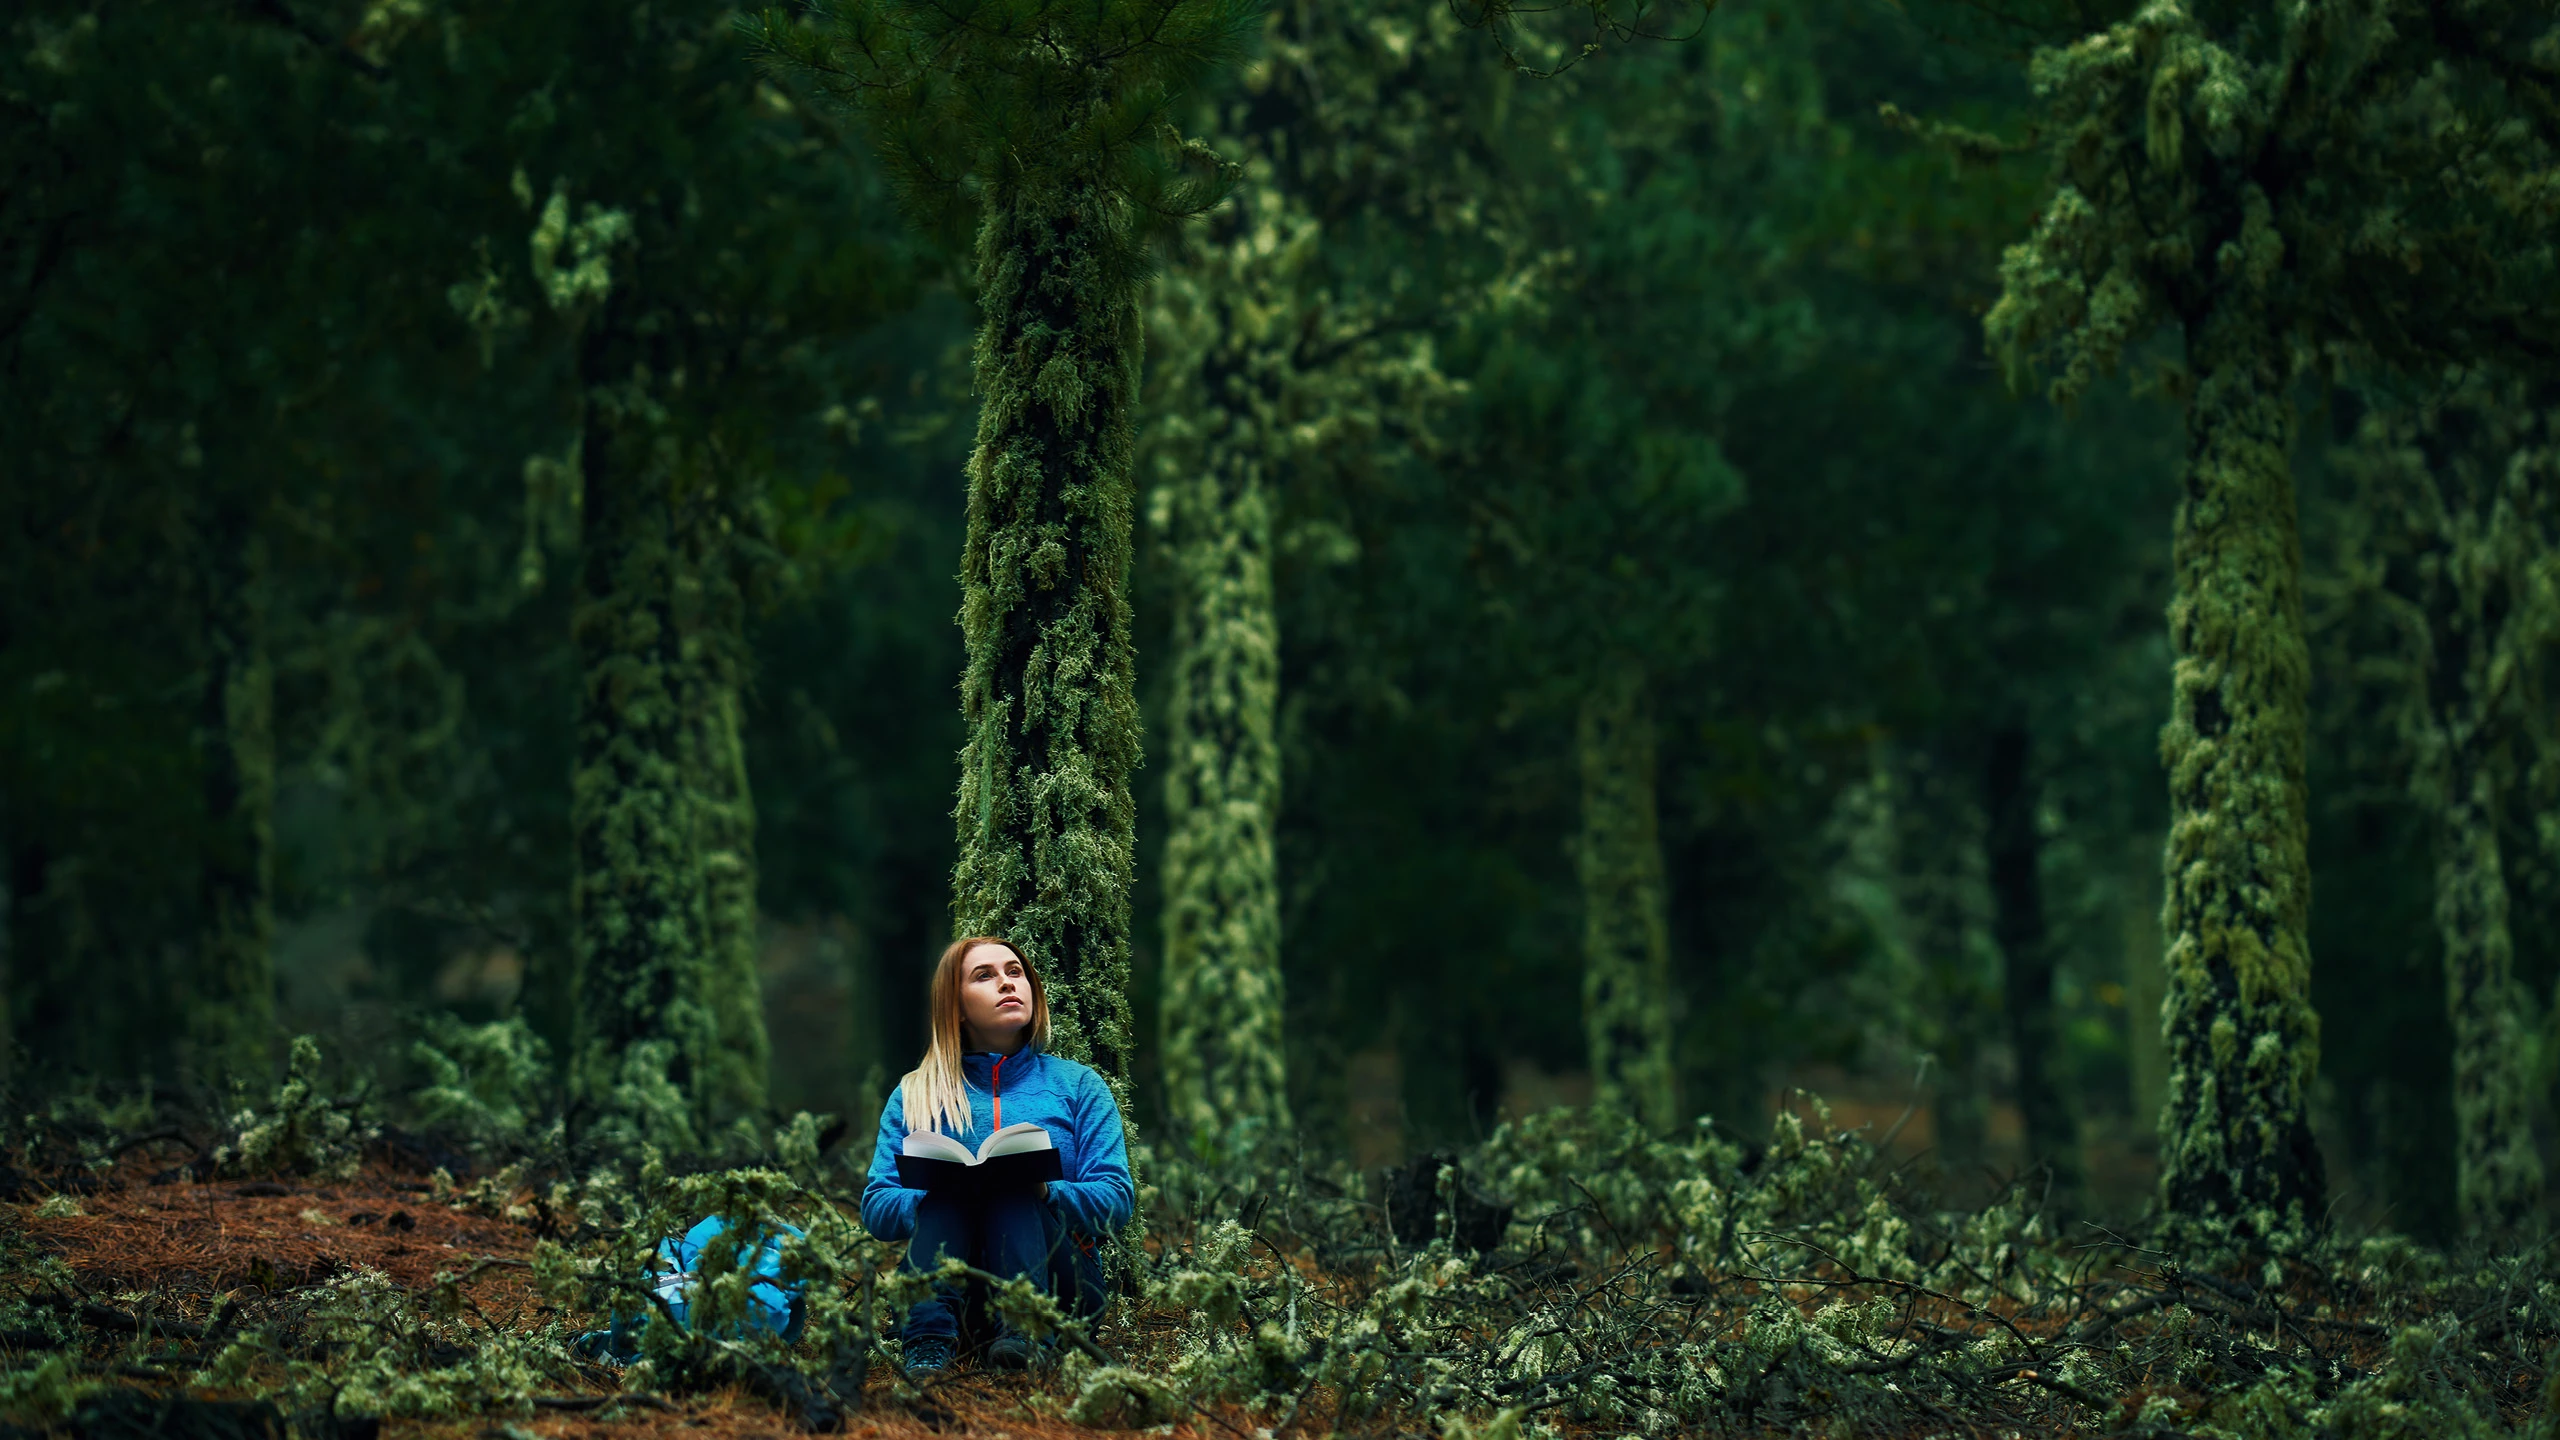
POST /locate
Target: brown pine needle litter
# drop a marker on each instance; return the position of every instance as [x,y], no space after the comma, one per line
[216,1236]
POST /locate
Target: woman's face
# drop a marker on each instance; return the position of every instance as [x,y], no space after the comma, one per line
[995,999]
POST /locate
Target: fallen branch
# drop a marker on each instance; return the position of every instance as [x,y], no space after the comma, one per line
[100,1317]
[578,1403]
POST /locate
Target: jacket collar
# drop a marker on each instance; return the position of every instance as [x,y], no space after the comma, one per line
[980,1066]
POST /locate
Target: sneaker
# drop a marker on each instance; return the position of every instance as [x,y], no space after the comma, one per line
[1009,1352]
[927,1356]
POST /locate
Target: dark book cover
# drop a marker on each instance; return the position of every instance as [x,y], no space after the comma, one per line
[999,1174]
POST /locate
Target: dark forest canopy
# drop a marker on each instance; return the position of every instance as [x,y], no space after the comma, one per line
[1478,587]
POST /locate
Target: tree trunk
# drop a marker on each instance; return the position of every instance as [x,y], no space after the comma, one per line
[1225,1068]
[725,809]
[2448,543]
[1941,897]
[646,1029]
[1047,827]
[1626,946]
[2014,853]
[232,1013]
[2236,1151]
[2498,1173]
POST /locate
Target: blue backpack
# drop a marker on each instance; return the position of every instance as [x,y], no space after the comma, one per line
[774,1305]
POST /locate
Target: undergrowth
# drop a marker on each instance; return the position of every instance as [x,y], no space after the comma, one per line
[1572,1275]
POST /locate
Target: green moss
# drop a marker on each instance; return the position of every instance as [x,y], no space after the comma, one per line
[2446,597]
[2498,1172]
[300,1132]
[484,1083]
[1281,386]
[1224,1064]
[232,1005]
[1626,945]
[1057,123]
[724,809]
[642,970]
[2243,1044]
[1908,865]
[1047,825]
[2281,182]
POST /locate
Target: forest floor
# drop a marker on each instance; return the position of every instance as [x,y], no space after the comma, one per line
[162,1266]
[161,1252]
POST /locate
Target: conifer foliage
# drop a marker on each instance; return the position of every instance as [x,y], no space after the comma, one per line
[1054,115]
[2285,182]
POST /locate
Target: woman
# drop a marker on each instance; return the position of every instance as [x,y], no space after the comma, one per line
[986,1068]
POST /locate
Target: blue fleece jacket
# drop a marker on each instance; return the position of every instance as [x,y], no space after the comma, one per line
[1066,1099]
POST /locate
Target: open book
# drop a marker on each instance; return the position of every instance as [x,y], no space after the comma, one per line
[1017,1157]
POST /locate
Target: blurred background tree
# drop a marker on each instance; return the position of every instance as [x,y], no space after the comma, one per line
[2275,181]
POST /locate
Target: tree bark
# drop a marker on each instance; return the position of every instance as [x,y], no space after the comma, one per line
[1942,896]
[1225,1068]
[1626,946]
[2479,581]
[725,810]
[2237,1157]
[2448,545]
[2498,1173]
[646,1029]
[2015,852]
[1047,826]
[232,1014]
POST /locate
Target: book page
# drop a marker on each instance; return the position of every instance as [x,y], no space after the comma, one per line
[1016,1139]
[934,1145]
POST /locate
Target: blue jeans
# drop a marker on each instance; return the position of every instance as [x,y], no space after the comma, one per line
[1006,1235]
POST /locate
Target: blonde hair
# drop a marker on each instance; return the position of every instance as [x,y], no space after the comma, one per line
[935,1094]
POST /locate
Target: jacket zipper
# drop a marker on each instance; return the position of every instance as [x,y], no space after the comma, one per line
[995,1088]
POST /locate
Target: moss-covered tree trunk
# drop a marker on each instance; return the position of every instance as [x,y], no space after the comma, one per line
[2498,1173]
[726,814]
[2447,554]
[2243,1044]
[2450,546]
[712,608]
[1225,1069]
[231,1002]
[646,1032]
[1626,944]
[2015,854]
[1047,827]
